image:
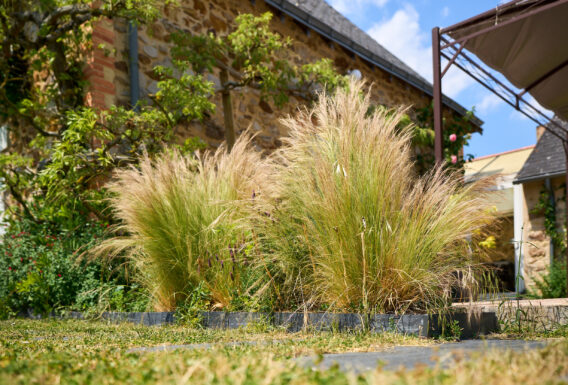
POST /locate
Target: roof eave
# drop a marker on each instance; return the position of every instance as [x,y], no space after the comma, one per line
[323,29]
[534,178]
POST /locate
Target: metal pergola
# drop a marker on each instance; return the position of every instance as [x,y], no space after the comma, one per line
[454,44]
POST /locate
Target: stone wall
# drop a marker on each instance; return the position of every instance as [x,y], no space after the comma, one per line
[536,250]
[200,16]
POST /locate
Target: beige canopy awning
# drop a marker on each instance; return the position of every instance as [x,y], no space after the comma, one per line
[527,42]
[522,40]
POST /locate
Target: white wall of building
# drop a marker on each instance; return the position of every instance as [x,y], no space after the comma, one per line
[519,203]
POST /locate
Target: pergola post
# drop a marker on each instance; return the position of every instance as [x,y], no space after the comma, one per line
[437,73]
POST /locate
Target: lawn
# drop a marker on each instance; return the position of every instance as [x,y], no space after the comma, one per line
[84,352]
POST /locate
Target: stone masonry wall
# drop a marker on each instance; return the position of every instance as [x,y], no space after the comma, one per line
[200,16]
[537,249]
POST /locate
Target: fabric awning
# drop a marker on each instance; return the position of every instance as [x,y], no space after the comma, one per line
[531,52]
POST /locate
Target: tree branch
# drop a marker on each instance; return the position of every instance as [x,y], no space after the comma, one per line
[19,198]
[29,119]
[67,10]
[162,110]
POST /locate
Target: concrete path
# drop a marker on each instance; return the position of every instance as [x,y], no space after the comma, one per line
[410,356]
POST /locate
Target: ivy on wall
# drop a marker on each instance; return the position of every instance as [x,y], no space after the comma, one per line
[553,284]
[546,207]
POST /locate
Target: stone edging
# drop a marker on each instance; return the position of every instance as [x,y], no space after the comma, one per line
[471,325]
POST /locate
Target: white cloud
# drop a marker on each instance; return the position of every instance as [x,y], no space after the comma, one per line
[353,6]
[517,115]
[532,101]
[455,81]
[445,11]
[402,36]
[488,103]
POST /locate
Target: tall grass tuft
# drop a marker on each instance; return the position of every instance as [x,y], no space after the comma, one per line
[352,226]
[183,224]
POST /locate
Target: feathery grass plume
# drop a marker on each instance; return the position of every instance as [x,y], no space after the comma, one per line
[352,226]
[181,217]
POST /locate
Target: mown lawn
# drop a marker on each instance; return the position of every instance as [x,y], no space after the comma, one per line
[90,352]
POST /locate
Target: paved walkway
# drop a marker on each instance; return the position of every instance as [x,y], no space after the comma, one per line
[391,359]
[512,302]
[410,356]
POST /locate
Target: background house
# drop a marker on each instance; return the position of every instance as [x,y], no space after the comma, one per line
[541,181]
[504,167]
[317,31]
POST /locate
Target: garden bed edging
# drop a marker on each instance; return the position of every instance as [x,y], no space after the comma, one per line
[471,324]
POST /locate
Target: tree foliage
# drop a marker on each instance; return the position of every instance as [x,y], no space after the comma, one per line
[251,56]
[62,152]
[52,156]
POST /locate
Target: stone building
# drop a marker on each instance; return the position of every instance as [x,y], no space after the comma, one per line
[317,31]
[543,171]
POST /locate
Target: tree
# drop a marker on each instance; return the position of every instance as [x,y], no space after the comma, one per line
[62,152]
[249,57]
[43,44]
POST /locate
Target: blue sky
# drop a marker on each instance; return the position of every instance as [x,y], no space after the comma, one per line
[404,28]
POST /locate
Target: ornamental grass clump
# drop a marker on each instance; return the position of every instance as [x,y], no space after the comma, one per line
[352,227]
[183,226]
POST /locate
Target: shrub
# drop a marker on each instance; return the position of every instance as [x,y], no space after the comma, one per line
[40,271]
[183,226]
[553,283]
[351,226]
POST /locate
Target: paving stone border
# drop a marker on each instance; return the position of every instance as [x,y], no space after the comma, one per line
[534,314]
[471,324]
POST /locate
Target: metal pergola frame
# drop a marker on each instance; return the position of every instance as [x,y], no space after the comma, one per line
[454,51]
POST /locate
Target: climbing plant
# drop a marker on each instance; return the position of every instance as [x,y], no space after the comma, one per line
[553,283]
[457,133]
[546,207]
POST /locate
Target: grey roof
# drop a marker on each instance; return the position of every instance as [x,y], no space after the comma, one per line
[324,19]
[547,159]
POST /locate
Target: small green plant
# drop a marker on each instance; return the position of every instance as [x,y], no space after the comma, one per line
[262,324]
[100,297]
[553,283]
[451,331]
[189,312]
